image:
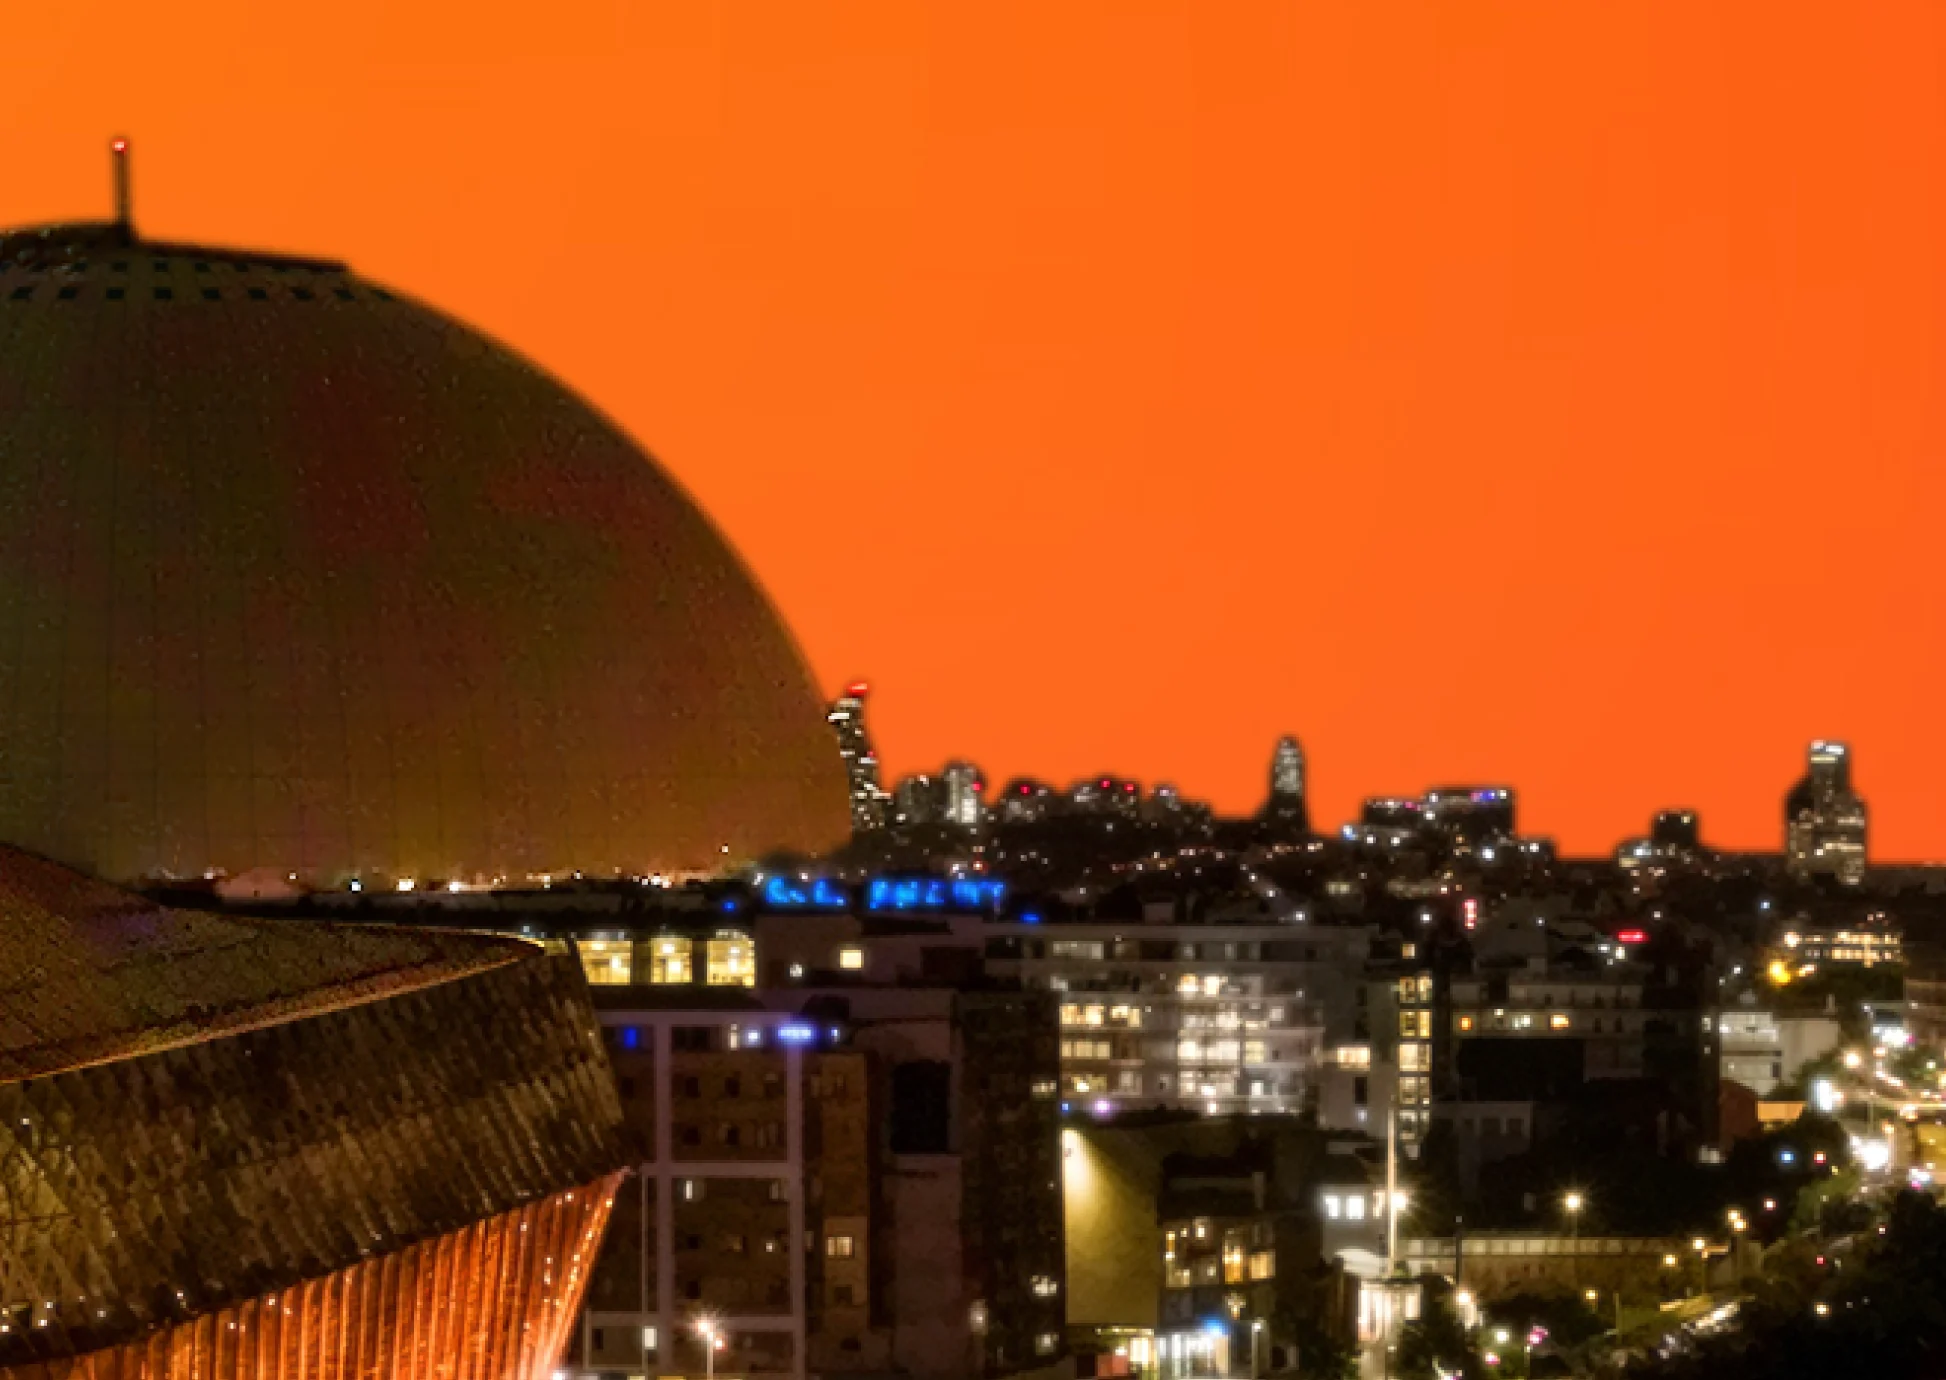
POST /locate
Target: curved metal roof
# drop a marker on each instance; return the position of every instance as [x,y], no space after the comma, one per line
[90,974]
[299,574]
[199,1114]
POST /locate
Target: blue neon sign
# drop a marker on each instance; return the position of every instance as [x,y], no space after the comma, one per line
[781,893]
[883,893]
[934,893]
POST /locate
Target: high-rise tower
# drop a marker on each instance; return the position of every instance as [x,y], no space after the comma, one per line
[1286,804]
[1824,819]
[965,795]
[847,717]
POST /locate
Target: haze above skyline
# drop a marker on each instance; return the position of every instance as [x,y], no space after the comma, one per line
[1547,395]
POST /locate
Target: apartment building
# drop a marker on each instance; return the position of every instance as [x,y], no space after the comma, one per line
[1219,1018]
[832,1181]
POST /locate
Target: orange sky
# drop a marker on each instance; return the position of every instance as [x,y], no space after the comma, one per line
[1544,392]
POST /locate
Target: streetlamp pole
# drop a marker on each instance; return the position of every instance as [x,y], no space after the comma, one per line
[706,1329]
[1573,1204]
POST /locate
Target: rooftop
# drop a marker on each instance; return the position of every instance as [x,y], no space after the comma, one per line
[90,974]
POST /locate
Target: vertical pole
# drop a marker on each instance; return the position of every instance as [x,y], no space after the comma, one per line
[665,1187]
[1391,1186]
[642,1265]
[794,1113]
[119,154]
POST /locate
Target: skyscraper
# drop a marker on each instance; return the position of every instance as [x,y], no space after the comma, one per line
[964,788]
[847,717]
[918,799]
[1824,819]
[1286,803]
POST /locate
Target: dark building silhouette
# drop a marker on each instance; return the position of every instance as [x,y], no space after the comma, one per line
[302,575]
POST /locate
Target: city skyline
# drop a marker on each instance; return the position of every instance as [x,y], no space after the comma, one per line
[1470,393]
[452,933]
[1822,813]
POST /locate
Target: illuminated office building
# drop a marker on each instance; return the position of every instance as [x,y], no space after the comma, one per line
[1025,801]
[1674,841]
[1286,804]
[963,790]
[918,799]
[847,719]
[1105,796]
[1824,818]
[1470,815]
[248,1150]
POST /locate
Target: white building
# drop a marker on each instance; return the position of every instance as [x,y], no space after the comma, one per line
[1761,1049]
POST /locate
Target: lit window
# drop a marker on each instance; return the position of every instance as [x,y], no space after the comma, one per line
[1465,1022]
[1046,1286]
[1557,1021]
[1355,1207]
[671,965]
[1263,1264]
[851,958]
[839,1247]
[731,961]
[648,1339]
[608,962]
[1046,1343]
[691,1189]
[1333,1207]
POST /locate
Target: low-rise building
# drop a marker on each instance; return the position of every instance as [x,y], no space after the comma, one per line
[1760,1049]
[1495,1264]
[1925,994]
[1868,943]
[1194,1243]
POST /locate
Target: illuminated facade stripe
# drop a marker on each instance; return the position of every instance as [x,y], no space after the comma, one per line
[494,1301]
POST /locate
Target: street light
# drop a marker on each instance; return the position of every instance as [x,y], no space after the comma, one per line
[1572,1202]
[712,1343]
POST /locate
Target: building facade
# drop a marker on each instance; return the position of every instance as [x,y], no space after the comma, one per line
[1286,804]
[1216,1018]
[835,1180]
[847,719]
[1824,818]
[746,1228]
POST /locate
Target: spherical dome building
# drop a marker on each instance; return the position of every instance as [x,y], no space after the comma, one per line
[299,574]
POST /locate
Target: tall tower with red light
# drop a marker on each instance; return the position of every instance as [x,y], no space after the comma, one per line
[847,718]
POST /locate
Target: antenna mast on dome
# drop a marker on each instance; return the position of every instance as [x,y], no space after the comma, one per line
[124,217]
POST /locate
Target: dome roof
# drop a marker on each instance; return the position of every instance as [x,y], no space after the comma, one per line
[299,574]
